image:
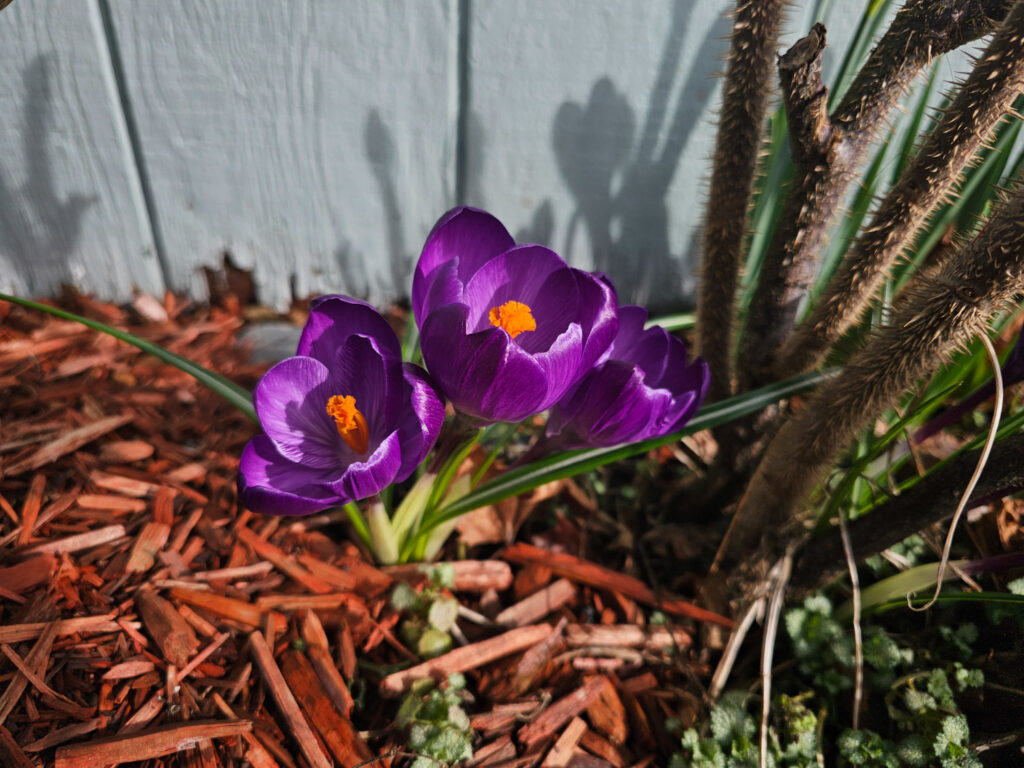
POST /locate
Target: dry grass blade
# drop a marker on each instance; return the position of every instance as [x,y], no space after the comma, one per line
[986,451]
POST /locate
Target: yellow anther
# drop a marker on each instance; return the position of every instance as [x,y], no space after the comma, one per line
[350,422]
[514,316]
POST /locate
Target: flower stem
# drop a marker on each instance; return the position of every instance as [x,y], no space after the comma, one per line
[383,541]
[358,522]
[457,439]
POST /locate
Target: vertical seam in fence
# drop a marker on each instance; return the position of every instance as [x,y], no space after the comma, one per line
[135,161]
[462,85]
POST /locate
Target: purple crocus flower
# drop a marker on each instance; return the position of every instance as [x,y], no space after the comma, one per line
[644,389]
[505,330]
[342,419]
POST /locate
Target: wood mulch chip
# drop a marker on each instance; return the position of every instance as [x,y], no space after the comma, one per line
[146,619]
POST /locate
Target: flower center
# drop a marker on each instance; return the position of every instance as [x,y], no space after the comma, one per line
[350,422]
[514,316]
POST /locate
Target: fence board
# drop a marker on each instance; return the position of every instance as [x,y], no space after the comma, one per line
[70,203]
[589,130]
[312,140]
[316,140]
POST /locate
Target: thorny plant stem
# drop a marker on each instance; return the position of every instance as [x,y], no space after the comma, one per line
[755,32]
[940,313]
[828,153]
[982,461]
[966,125]
[858,639]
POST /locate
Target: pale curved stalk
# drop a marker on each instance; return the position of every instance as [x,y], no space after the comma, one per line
[986,451]
[931,500]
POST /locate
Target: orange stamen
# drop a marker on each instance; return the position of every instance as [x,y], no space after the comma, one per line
[350,422]
[514,316]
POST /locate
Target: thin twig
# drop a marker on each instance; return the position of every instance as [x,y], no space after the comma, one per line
[732,649]
[858,639]
[982,461]
[779,579]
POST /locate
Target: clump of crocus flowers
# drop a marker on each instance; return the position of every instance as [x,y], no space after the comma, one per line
[506,332]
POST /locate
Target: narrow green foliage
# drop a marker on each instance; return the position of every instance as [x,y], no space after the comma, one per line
[875,13]
[876,446]
[237,396]
[570,463]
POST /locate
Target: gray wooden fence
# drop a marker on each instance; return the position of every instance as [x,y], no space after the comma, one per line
[317,141]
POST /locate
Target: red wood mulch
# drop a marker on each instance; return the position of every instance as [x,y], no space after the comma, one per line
[145,618]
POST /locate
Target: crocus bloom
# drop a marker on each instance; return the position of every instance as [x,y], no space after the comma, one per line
[505,330]
[342,419]
[644,389]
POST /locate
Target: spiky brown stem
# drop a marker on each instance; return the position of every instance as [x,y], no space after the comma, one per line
[931,501]
[986,96]
[939,314]
[747,88]
[921,30]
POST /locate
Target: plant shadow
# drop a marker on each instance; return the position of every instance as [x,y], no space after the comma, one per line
[39,229]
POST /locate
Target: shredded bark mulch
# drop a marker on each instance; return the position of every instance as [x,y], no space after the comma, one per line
[146,619]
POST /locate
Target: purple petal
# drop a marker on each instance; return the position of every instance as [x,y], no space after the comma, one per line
[653,349]
[519,389]
[443,288]
[360,370]
[332,319]
[270,484]
[468,235]
[677,415]
[363,479]
[420,424]
[610,406]
[561,364]
[520,274]
[599,316]
[556,308]
[291,401]
[484,374]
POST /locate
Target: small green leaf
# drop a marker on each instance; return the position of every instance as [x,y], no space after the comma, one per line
[443,613]
[403,597]
[433,643]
